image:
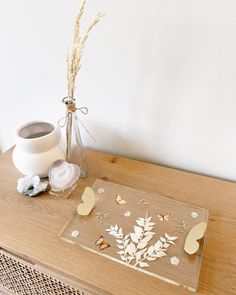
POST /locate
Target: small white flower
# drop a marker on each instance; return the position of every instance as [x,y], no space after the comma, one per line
[75,233]
[100,190]
[127,214]
[174,260]
[194,215]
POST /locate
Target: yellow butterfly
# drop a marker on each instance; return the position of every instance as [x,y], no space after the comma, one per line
[120,200]
[195,234]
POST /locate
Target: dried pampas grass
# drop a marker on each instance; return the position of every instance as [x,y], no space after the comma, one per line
[79,42]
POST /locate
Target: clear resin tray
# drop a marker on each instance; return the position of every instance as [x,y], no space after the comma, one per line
[141,230]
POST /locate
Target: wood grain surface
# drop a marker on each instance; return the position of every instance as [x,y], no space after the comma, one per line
[30,226]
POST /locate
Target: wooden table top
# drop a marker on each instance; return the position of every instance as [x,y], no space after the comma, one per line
[30,226]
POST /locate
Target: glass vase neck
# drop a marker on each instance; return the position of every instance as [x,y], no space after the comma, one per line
[74,147]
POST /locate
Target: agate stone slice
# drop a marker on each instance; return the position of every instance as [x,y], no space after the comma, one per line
[63,175]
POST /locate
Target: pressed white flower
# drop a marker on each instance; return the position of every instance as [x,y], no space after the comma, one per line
[194,215]
[174,260]
[75,233]
[101,190]
[127,214]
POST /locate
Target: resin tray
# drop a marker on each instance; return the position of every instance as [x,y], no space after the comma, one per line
[147,233]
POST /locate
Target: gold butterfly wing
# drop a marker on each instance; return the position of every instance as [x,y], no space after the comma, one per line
[196,233]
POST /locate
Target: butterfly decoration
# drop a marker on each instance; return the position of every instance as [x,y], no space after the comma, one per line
[163,217]
[195,234]
[88,202]
[120,200]
[101,244]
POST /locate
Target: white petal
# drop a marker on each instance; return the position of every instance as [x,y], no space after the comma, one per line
[130,249]
[143,264]
[138,230]
[147,239]
[163,239]
[134,238]
[142,245]
[160,254]
[119,241]
[121,252]
[173,238]
[158,245]
[150,250]
[120,246]
[140,222]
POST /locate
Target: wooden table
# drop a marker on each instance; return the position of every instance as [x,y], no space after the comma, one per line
[29,228]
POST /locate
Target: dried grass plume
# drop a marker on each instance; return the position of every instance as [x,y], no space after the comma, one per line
[79,42]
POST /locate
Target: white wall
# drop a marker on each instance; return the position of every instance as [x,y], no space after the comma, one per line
[158,77]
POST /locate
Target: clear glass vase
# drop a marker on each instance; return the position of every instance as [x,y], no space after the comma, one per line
[74,147]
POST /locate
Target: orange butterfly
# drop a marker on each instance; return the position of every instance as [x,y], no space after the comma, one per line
[100,243]
[163,217]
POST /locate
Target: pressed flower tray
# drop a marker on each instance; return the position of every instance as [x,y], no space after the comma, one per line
[141,230]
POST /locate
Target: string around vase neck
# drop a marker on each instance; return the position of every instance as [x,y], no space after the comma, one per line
[71,108]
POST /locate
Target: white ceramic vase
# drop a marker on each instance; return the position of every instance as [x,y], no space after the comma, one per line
[37,147]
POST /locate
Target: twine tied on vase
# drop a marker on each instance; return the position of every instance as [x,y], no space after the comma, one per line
[67,121]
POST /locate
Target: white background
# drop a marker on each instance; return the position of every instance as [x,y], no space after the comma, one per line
[158,77]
